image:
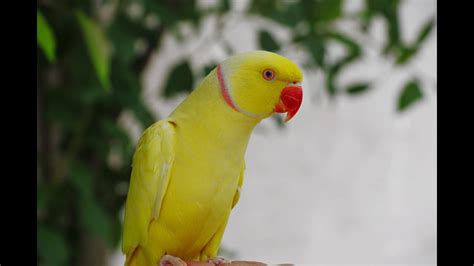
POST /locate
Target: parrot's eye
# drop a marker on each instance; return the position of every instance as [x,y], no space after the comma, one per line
[268,74]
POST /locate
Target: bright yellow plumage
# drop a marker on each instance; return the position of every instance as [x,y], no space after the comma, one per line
[188,169]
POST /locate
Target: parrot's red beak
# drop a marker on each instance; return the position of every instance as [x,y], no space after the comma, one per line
[290,101]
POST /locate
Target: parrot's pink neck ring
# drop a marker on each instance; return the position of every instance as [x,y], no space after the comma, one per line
[228,98]
[224,90]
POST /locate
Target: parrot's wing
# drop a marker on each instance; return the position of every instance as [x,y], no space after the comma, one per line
[239,186]
[151,166]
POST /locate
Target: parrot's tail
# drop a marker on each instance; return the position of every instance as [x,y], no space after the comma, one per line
[137,258]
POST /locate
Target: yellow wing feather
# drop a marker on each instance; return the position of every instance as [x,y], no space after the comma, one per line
[239,186]
[152,163]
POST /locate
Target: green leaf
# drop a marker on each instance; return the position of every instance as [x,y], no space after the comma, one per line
[224,6]
[81,178]
[358,88]
[393,32]
[353,49]
[45,37]
[127,93]
[93,216]
[366,17]
[331,81]
[208,68]
[95,219]
[181,79]
[389,10]
[425,32]
[123,33]
[52,247]
[173,12]
[316,47]
[406,53]
[267,42]
[284,12]
[41,196]
[327,10]
[97,46]
[142,113]
[411,93]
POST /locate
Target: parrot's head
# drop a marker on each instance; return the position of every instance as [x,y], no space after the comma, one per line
[260,83]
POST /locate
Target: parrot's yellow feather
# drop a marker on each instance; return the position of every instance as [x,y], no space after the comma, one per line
[188,169]
[151,166]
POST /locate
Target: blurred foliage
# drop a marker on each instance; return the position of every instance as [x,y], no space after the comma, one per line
[267,42]
[357,88]
[45,37]
[91,55]
[411,93]
[180,80]
[97,46]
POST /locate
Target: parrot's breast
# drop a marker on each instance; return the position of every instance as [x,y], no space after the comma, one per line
[203,182]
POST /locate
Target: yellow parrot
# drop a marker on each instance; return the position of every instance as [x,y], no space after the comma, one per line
[188,169]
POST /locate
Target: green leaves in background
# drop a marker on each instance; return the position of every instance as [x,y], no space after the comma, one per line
[172,12]
[327,10]
[288,13]
[357,88]
[411,93]
[224,6]
[98,47]
[52,247]
[208,68]
[45,37]
[267,42]
[425,31]
[353,51]
[407,52]
[81,179]
[291,13]
[388,10]
[93,217]
[123,33]
[317,48]
[317,31]
[180,79]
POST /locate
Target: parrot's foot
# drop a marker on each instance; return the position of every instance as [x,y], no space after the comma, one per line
[168,260]
[219,260]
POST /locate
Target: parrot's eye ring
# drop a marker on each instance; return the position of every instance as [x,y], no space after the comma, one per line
[268,74]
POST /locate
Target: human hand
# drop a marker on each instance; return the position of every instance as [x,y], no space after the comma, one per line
[233,263]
